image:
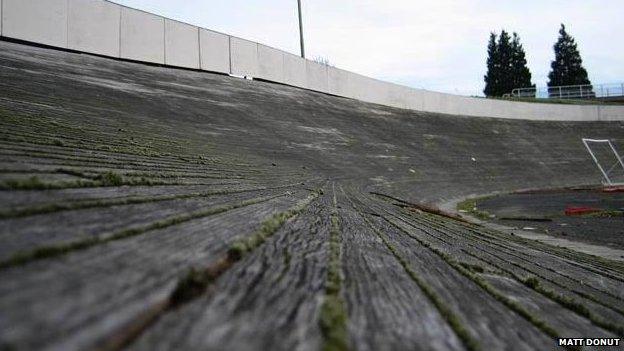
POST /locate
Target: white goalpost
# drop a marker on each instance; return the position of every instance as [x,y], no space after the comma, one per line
[610,171]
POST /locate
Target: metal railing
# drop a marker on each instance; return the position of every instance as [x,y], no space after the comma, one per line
[587,91]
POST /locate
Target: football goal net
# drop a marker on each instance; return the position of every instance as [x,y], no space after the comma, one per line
[607,159]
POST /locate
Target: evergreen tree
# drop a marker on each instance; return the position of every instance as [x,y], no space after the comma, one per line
[567,68]
[506,65]
[521,74]
[491,78]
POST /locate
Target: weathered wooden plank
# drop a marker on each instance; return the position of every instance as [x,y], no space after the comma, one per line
[74,302]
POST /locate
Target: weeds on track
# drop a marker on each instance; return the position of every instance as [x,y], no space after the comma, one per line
[333,315]
[572,305]
[483,284]
[197,281]
[21,258]
[448,315]
[470,206]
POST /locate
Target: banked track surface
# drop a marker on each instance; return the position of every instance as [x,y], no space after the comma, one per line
[146,208]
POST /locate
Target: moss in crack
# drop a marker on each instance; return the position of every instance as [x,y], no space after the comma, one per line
[333,324]
[470,206]
[532,282]
[472,267]
[605,214]
[193,284]
[514,306]
[448,315]
[50,251]
[241,247]
[333,314]
[573,305]
[56,207]
[110,178]
[197,281]
[32,183]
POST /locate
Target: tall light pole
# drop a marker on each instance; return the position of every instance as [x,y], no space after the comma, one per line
[301,29]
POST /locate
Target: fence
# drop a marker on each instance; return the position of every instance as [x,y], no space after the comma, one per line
[105,28]
[586,91]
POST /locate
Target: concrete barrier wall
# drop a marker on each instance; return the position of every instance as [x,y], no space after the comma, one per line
[243,57]
[337,81]
[142,36]
[43,22]
[93,26]
[294,70]
[181,44]
[105,28]
[214,51]
[270,64]
[316,76]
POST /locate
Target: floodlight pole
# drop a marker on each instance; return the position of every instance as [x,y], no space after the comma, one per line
[301,29]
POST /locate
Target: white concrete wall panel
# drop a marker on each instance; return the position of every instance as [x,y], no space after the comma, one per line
[316,76]
[610,113]
[93,26]
[337,81]
[294,70]
[404,97]
[368,90]
[214,51]
[377,91]
[181,44]
[414,99]
[43,22]
[243,57]
[270,64]
[357,86]
[142,36]
[0,18]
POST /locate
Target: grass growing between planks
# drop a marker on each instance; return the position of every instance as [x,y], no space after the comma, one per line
[483,284]
[579,308]
[576,258]
[572,305]
[333,314]
[108,179]
[451,318]
[565,301]
[469,206]
[197,281]
[21,258]
[243,246]
[85,204]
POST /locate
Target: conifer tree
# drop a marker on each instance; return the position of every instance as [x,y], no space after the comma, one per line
[505,55]
[567,68]
[491,78]
[506,65]
[521,74]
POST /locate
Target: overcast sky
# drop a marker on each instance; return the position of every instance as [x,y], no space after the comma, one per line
[436,44]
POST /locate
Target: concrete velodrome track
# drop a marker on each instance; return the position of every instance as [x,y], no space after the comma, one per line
[151,208]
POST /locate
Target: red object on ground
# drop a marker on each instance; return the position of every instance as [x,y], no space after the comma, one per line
[579,210]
